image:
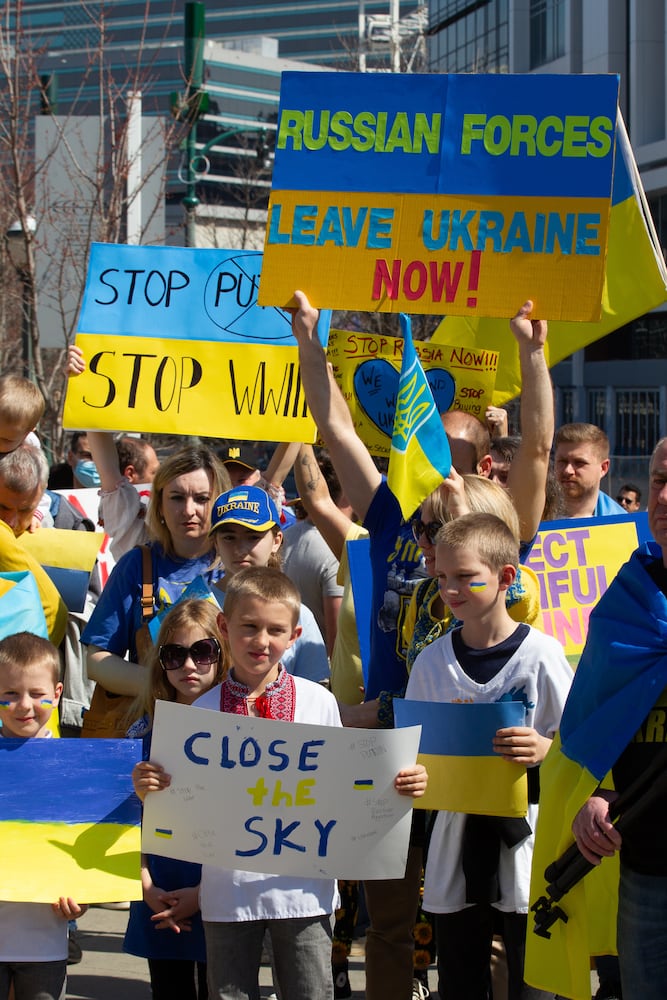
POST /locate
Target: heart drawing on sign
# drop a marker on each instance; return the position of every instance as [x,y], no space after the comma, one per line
[376,387]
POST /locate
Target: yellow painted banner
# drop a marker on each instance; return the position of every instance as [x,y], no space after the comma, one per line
[575,561]
[472,255]
[246,391]
[367,367]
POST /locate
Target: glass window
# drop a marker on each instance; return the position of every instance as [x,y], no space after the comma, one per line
[547,31]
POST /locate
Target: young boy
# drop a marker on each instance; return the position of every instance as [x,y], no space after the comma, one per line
[21,409]
[33,936]
[473,877]
[260,623]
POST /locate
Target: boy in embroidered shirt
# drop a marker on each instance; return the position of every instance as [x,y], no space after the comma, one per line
[478,867]
[260,623]
[33,936]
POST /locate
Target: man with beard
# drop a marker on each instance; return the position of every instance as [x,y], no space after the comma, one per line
[581,462]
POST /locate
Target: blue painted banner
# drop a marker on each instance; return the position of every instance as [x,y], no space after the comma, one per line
[447,134]
[68,806]
[179,292]
[456,747]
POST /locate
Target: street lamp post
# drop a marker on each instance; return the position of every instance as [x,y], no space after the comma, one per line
[17,240]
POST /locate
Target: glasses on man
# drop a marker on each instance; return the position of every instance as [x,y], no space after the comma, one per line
[428,528]
[203,653]
[625,500]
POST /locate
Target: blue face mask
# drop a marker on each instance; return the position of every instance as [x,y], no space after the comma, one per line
[86,472]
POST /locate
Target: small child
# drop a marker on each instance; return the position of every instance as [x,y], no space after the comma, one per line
[260,623]
[472,872]
[21,409]
[245,527]
[33,936]
[188,658]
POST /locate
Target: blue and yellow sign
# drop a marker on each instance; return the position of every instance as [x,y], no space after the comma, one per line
[451,195]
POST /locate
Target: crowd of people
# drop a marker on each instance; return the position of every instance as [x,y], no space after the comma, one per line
[255,607]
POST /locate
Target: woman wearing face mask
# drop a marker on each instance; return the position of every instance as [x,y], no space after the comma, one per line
[245,526]
[177,523]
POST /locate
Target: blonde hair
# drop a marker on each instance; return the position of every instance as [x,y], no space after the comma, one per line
[487,535]
[482,497]
[21,402]
[186,460]
[185,614]
[266,584]
[25,649]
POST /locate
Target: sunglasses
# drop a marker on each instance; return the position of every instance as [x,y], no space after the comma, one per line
[624,500]
[203,653]
[430,529]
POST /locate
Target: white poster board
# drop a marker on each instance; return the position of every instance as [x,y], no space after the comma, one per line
[279,797]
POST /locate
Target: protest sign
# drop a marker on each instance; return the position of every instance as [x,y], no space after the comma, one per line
[575,561]
[367,368]
[178,292]
[635,283]
[175,343]
[279,797]
[244,391]
[451,195]
[456,748]
[70,821]
[68,557]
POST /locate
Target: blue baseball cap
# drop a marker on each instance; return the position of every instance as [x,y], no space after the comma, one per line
[246,505]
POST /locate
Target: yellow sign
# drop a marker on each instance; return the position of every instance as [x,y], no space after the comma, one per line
[367,369]
[574,563]
[245,391]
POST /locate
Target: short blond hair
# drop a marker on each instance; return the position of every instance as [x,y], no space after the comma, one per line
[21,402]
[266,584]
[25,649]
[485,534]
[583,434]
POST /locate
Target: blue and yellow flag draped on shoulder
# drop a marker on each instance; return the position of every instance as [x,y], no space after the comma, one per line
[620,676]
[635,282]
[420,457]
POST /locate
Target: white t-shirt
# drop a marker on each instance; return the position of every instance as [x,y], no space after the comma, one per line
[123,511]
[537,675]
[31,932]
[228,895]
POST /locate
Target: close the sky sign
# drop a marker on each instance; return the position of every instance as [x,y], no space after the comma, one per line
[455,194]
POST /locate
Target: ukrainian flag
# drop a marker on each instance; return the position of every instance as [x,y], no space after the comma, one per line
[621,675]
[70,823]
[456,748]
[635,282]
[420,458]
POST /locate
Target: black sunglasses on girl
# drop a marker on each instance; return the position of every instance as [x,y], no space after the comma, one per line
[430,529]
[203,653]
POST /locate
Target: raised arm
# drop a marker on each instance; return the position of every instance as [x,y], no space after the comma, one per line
[528,472]
[355,468]
[312,487]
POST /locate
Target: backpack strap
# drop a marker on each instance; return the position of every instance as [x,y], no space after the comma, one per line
[146,583]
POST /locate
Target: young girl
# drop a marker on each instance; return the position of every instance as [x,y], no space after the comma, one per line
[245,527]
[188,659]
